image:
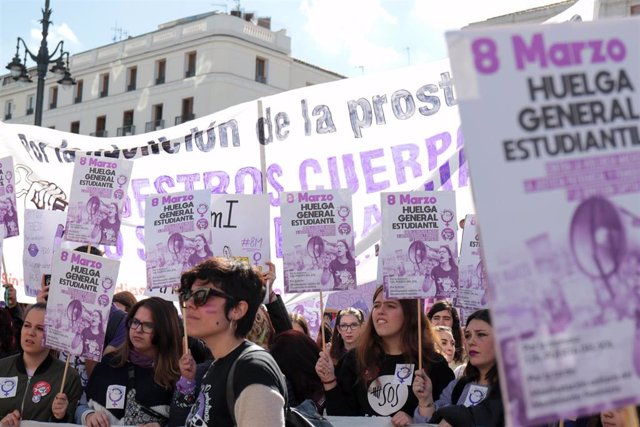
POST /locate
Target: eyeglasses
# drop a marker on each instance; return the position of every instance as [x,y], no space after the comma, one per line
[201,296]
[145,327]
[348,326]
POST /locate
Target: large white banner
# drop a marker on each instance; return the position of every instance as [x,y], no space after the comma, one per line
[397,131]
[551,115]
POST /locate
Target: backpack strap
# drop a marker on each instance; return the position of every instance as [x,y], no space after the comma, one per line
[231,397]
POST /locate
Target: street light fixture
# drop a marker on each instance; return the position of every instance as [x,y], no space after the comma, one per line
[18,69]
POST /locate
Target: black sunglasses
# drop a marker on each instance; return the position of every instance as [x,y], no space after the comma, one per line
[201,296]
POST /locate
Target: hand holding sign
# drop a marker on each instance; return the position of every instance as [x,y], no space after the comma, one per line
[60,405]
[12,419]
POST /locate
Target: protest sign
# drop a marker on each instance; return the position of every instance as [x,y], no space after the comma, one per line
[472,292]
[551,117]
[8,210]
[240,225]
[419,245]
[43,231]
[317,235]
[178,235]
[80,295]
[97,197]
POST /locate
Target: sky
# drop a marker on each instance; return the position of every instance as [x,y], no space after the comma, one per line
[350,37]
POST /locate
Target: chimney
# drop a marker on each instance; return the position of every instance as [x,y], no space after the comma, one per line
[264,22]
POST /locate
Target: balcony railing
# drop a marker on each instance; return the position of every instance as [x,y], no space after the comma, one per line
[261,79]
[131,87]
[77,99]
[53,105]
[7,116]
[189,73]
[127,130]
[184,118]
[29,111]
[159,80]
[104,93]
[154,125]
[99,133]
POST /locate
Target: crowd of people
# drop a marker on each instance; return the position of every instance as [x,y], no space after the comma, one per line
[245,361]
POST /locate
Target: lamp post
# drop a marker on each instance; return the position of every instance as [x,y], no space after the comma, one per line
[18,70]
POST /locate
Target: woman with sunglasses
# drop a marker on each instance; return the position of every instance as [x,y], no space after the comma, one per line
[375,378]
[221,298]
[346,332]
[134,385]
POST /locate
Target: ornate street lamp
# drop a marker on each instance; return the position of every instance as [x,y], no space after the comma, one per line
[18,69]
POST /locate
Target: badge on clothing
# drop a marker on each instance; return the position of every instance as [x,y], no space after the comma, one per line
[115,396]
[40,390]
[476,394]
[8,387]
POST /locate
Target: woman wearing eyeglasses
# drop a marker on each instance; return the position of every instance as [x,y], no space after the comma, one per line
[346,332]
[134,385]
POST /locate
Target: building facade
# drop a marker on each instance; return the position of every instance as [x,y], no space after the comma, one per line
[188,68]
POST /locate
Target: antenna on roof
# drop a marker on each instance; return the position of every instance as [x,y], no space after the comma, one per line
[221,4]
[118,33]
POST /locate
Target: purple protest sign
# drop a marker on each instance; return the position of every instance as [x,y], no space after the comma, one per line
[97,197]
[177,236]
[318,241]
[472,293]
[80,295]
[550,116]
[419,245]
[8,211]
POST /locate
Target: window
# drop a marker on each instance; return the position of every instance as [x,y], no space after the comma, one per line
[190,65]
[104,85]
[127,124]
[156,122]
[75,127]
[635,10]
[8,109]
[157,112]
[187,111]
[261,70]
[132,76]
[161,68]
[53,97]
[31,99]
[78,95]
[101,125]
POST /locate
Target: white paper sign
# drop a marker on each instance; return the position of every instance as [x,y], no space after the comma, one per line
[43,233]
[240,225]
